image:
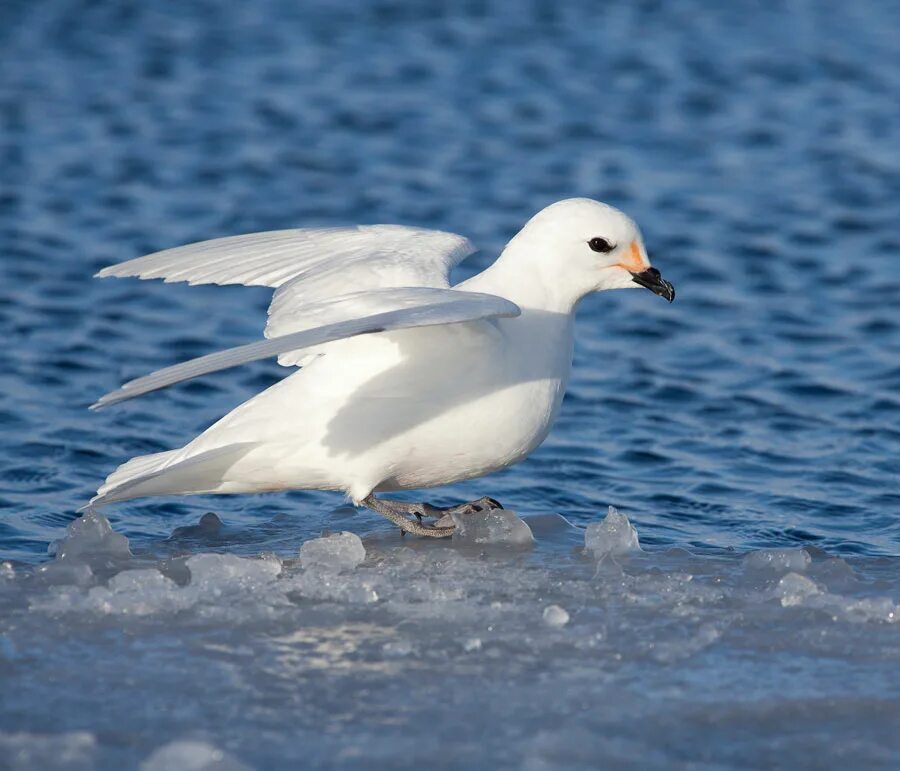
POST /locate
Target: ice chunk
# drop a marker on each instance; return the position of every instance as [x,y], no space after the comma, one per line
[555,616]
[870,609]
[777,561]
[496,526]
[73,751]
[218,574]
[832,571]
[131,592]
[334,552]
[77,573]
[328,562]
[138,593]
[328,584]
[793,589]
[91,539]
[147,591]
[614,535]
[190,755]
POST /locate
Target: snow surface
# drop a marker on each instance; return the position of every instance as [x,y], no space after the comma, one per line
[519,644]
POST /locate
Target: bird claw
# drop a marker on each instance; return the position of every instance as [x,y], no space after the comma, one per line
[399,513]
[475,507]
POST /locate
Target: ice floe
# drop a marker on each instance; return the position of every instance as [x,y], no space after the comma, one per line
[371,636]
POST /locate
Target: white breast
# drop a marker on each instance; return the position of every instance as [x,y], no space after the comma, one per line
[482,409]
[408,409]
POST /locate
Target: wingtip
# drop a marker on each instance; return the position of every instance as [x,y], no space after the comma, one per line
[103,401]
[119,270]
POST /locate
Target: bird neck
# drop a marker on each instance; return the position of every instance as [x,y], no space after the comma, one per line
[518,276]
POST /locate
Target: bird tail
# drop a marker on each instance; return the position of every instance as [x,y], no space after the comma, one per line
[135,468]
[162,474]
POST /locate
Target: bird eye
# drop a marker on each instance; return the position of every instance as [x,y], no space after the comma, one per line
[601,245]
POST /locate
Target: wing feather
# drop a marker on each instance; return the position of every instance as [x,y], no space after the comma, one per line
[275,257]
[422,307]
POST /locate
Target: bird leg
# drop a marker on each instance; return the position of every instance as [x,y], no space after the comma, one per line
[399,513]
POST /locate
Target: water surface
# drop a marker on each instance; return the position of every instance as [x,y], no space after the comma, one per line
[757,148]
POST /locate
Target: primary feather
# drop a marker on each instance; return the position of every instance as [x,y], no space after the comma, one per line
[369,254]
[400,309]
[309,268]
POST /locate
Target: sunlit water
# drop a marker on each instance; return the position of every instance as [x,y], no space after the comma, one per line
[758,150]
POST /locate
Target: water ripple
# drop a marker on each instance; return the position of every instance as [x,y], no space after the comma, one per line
[757,149]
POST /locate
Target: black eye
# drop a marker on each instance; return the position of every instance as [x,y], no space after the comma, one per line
[601,245]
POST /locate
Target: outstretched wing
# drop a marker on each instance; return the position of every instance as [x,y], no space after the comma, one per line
[412,307]
[316,272]
[361,257]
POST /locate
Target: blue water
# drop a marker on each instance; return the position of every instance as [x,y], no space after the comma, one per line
[755,144]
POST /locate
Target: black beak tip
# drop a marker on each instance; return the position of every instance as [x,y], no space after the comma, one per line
[652,280]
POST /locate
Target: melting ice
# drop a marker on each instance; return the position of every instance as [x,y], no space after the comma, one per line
[526,643]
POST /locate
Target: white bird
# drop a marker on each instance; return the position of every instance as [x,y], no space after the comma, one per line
[406,382]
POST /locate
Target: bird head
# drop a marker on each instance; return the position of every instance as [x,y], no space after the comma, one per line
[580,246]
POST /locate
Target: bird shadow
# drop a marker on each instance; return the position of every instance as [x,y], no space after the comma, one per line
[447,367]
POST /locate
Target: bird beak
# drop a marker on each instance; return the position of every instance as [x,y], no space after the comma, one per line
[637,264]
[652,280]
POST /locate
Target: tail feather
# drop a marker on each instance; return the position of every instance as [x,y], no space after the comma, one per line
[136,467]
[161,474]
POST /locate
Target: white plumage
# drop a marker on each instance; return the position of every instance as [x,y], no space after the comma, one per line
[377,255]
[408,382]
